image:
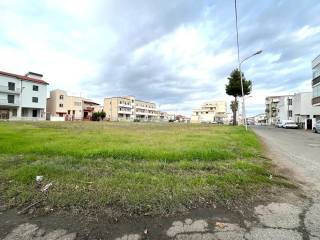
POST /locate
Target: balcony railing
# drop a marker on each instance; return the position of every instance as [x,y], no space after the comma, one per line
[5,102]
[125,105]
[316,81]
[315,100]
[316,61]
[6,90]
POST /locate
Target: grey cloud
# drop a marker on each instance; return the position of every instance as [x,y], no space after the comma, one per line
[263,24]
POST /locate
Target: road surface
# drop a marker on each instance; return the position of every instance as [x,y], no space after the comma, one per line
[297,150]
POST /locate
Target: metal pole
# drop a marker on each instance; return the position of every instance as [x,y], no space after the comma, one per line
[239,67]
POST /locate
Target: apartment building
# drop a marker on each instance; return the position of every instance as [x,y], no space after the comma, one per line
[129,108]
[165,117]
[304,112]
[285,108]
[212,111]
[22,97]
[316,85]
[61,106]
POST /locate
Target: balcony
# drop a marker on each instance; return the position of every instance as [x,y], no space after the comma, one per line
[124,112]
[316,61]
[124,105]
[316,101]
[5,89]
[5,102]
[316,81]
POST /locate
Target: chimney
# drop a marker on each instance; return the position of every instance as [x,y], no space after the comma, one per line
[34,75]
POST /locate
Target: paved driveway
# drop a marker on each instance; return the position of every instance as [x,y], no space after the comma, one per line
[297,150]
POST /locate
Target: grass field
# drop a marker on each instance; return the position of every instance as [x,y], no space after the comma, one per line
[133,168]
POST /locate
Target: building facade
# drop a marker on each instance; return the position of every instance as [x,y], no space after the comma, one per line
[316,86]
[304,112]
[278,108]
[129,108]
[61,106]
[210,112]
[22,97]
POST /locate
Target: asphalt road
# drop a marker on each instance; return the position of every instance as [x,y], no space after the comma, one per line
[296,150]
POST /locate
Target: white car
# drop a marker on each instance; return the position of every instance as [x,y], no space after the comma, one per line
[279,124]
[290,124]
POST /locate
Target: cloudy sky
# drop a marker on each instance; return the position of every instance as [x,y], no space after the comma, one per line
[177,53]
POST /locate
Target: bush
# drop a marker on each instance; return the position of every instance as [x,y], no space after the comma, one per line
[95,116]
[102,115]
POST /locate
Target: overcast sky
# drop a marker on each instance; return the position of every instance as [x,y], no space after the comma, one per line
[177,53]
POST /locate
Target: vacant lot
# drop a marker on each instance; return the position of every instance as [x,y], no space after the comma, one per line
[131,168]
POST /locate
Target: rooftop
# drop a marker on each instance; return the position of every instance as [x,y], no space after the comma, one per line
[23,78]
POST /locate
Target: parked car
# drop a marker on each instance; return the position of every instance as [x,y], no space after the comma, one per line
[290,124]
[316,128]
[279,124]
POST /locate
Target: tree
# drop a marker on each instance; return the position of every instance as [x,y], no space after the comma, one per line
[233,88]
[102,115]
[95,116]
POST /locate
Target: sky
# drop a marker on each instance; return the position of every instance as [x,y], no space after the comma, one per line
[177,53]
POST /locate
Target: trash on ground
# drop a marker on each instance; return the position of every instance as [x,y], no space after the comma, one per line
[46,187]
[39,178]
[220,224]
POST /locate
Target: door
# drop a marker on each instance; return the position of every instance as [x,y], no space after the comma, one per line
[309,124]
[34,113]
[4,114]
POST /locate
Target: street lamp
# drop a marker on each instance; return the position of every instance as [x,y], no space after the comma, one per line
[239,67]
[241,80]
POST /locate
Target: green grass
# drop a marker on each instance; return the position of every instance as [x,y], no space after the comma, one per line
[133,168]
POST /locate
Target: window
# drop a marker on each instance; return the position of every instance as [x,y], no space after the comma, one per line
[61,97]
[35,88]
[289,102]
[10,98]
[290,113]
[11,86]
[69,111]
[25,112]
[34,99]
[61,105]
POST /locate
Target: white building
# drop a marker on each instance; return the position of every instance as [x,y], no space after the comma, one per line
[260,119]
[316,85]
[209,112]
[278,108]
[303,111]
[22,97]
[285,108]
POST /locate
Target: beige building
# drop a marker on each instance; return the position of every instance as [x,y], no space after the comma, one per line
[128,108]
[64,107]
[210,112]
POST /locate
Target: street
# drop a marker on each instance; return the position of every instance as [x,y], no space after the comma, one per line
[295,150]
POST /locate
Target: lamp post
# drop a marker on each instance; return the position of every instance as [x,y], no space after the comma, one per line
[239,66]
[241,80]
